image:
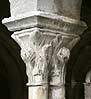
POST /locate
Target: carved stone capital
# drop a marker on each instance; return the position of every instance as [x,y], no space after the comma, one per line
[46,32]
[45,54]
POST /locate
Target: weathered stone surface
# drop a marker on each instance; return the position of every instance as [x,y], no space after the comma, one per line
[48,21]
[57,92]
[46,31]
[22,6]
[67,8]
[41,49]
[38,92]
[87,89]
[71,8]
[45,53]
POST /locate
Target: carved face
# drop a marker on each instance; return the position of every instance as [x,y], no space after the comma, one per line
[4,9]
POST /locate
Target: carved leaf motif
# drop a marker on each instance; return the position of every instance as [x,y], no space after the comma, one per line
[43,58]
[59,58]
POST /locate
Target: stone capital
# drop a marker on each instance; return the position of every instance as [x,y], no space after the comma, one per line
[46,31]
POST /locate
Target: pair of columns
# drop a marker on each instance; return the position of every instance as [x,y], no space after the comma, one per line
[46,31]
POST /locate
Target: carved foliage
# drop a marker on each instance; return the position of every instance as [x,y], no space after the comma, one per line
[44,57]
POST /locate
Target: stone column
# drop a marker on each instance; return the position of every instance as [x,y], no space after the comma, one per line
[46,31]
